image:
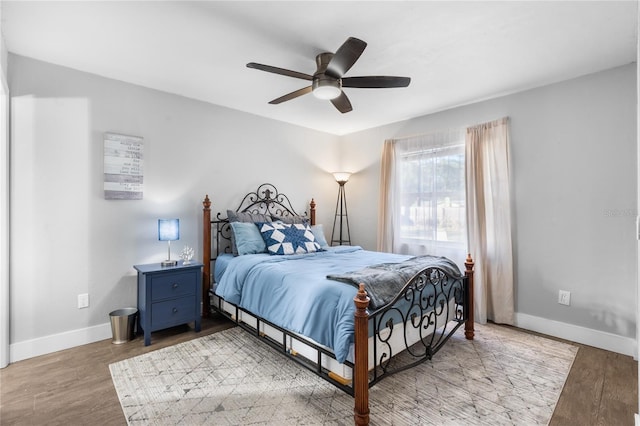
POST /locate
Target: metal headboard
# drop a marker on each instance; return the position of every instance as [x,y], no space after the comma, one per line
[264,200]
[217,233]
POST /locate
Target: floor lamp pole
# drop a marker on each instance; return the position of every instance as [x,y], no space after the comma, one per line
[341,218]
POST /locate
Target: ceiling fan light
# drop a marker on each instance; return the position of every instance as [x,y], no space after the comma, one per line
[326,88]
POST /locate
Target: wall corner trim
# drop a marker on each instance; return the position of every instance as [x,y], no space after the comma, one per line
[586,336]
[56,342]
[599,339]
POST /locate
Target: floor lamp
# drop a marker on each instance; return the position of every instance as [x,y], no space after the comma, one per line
[341,219]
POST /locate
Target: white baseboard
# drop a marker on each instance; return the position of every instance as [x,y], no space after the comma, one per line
[57,342]
[586,336]
[599,339]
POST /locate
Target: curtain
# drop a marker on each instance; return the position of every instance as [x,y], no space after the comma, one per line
[489,220]
[386,203]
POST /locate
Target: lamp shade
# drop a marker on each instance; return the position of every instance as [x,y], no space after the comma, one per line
[168,229]
[341,177]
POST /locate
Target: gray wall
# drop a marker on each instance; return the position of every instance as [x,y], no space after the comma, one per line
[67,239]
[573,152]
[574,174]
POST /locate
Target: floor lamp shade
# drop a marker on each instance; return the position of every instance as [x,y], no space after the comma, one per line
[169,230]
[342,177]
[340,234]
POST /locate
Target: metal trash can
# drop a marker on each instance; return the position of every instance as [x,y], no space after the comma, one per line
[123,325]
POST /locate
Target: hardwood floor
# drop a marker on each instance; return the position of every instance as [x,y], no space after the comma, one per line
[74,386]
[602,389]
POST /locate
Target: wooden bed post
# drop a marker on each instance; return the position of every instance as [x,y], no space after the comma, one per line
[312,211]
[206,256]
[469,332]
[361,361]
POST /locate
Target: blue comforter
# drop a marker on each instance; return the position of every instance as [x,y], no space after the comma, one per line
[293,291]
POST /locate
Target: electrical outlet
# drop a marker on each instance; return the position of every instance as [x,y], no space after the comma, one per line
[564,297]
[83,300]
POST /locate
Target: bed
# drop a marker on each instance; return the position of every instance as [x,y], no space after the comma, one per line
[350,315]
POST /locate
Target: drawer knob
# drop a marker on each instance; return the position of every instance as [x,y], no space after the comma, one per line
[175,285]
[175,310]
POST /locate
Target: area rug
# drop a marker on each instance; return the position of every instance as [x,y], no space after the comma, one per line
[503,377]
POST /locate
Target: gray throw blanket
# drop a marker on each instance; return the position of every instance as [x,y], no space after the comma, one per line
[384,281]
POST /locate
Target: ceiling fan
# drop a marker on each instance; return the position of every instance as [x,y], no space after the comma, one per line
[328,80]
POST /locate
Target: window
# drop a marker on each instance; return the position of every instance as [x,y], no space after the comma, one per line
[432,196]
[430,213]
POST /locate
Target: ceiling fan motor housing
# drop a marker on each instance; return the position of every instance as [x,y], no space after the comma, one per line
[325,86]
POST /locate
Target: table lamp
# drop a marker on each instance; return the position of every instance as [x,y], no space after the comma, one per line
[169,230]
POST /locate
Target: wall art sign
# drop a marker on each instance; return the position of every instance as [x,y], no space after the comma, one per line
[123,167]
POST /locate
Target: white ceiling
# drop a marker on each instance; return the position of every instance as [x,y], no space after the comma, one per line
[455,52]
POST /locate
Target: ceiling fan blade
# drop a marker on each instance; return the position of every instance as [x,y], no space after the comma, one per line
[345,57]
[342,103]
[281,71]
[291,95]
[376,82]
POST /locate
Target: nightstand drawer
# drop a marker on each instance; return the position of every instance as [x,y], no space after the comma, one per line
[172,312]
[174,285]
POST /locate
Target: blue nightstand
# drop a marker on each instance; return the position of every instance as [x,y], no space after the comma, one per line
[168,296]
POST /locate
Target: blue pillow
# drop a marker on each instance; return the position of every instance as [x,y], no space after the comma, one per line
[318,232]
[247,238]
[288,238]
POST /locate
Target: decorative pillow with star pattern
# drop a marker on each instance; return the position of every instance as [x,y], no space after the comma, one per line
[288,238]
